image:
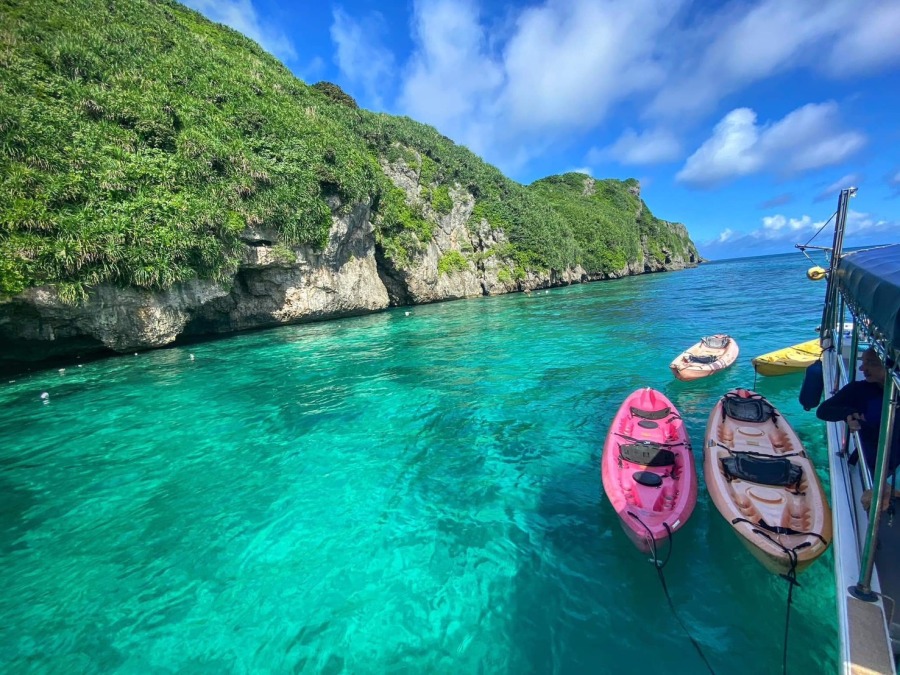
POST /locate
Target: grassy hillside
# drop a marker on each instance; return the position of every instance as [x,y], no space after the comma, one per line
[610,221]
[138,140]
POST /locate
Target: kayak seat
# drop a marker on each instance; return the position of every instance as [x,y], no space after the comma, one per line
[647,478]
[747,409]
[697,358]
[776,471]
[650,414]
[716,341]
[646,454]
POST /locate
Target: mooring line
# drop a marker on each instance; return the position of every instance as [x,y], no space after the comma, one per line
[662,580]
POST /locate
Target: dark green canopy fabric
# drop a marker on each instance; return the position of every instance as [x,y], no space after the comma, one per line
[870,281]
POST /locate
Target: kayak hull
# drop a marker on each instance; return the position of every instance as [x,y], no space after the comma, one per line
[702,360]
[794,359]
[648,469]
[770,517]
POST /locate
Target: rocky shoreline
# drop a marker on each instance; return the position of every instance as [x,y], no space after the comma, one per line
[275,285]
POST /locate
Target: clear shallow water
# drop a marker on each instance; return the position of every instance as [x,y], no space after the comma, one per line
[396,493]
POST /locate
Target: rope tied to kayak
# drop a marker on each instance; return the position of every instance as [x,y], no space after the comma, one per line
[662,580]
[798,453]
[791,576]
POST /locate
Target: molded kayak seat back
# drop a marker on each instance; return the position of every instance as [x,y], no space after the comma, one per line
[762,470]
[647,454]
[742,409]
[716,341]
[650,414]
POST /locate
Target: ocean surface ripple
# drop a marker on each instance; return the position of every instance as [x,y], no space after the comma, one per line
[396,493]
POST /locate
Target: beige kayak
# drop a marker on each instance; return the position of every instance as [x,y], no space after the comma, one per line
[764,485]
[710,355]
[788,360]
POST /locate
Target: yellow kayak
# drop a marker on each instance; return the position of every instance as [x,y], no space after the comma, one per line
[789,359]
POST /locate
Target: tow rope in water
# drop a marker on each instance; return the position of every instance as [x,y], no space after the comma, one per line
[662,580]
[791,578]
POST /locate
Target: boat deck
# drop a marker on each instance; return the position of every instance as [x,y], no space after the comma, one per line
[887,562]
[866,645]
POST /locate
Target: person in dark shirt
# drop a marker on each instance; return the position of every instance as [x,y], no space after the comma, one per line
[859,404]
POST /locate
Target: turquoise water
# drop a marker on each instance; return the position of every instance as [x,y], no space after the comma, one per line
[396,493]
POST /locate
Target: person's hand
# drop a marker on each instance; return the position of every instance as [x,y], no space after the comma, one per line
[866,498]
[854,419]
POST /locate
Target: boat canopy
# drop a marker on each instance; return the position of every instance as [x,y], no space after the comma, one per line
[870,282]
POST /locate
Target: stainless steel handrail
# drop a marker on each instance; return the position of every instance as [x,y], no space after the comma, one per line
[865,474]
[889,403]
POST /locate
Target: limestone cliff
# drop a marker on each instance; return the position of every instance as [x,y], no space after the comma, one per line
[164,178]
[276,284]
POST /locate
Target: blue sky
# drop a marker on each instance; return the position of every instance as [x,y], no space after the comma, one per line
[742,119]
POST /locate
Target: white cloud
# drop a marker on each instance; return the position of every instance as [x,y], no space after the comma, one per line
[775,227]
[741,44]
[730,152]
[549,72]
[869,42]
[832,191]
[360,56]
[556,72]
[242,16]
[451,80]
[807,138]
[569,62]
[779,234]
[866,226]
[633,148]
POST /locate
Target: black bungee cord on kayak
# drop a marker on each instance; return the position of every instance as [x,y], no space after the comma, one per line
[662,580]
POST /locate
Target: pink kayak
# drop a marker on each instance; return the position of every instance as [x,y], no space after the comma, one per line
[648,468]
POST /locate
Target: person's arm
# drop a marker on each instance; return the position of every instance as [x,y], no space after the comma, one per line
[840,406]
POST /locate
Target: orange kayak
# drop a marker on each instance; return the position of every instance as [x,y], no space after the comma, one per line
[763,483]
[710,355]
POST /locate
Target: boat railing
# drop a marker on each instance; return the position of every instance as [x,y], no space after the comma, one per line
[865,590]
[844,373]
[889,404]
[850,442]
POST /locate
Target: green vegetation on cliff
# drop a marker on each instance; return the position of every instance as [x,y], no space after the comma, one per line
[610,222]
[138,140]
